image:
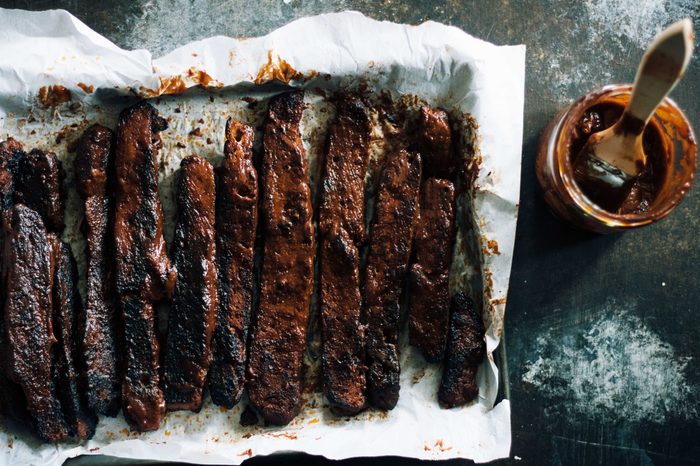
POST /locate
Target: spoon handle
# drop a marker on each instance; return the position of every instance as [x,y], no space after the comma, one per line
[661,68]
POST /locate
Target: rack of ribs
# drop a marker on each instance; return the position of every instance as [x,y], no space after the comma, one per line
[236,223]
[465,351]
[391,237]
[193,313]
[39,186]
[286,284]
[342,233]
[144,274]
[66,307]
[27,281]
[99,344]
[429,307]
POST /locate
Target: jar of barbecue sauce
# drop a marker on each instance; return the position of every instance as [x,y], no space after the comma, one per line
[669,144]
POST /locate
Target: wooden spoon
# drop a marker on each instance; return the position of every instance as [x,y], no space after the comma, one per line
[612,159]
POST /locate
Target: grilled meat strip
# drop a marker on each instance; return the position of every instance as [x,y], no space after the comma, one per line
[98,324]
[39,185]
[236,222]
[66,307]
[465,351]
[144,273]
[391,239]
[12,401]
[27,283]
[429,309]
[286,284]
[342,233]
[434,141]
[193,313]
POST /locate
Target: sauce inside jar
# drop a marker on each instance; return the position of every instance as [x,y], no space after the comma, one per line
[648,184]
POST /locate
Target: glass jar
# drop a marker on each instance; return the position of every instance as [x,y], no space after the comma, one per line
[555,163]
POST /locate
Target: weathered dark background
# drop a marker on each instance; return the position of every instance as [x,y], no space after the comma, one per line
[601,331]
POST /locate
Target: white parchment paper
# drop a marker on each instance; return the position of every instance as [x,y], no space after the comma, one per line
[441,64]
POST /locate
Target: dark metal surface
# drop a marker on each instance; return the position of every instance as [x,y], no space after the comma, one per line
[616,315]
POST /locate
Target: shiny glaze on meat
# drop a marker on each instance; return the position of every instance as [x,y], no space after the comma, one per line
[236,223]
[39,185]
[98,323]
[434,141]
[193,313]
[144,272]
[286,284]
[391,236]
[465,351]
[342,233]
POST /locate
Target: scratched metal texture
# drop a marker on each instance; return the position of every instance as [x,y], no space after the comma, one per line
[564,282]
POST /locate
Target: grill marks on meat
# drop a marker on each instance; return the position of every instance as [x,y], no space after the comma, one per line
[387,264]
[465,351]
[39,186]
[342,233]
[27,283]
[286,284]
[236,222]
[193,314]
[98,322]
[66,307]
[429,310]
[144,272]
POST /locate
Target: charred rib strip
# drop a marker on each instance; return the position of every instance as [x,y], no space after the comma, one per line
[39,186]
[66,307]
[144,272]
[236,222]
[342,232]
[27,283]
[98,323]
[193,314]
[387,264]
[465,351]
[279,337]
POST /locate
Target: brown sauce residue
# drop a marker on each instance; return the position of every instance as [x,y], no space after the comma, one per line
[276,70]
[89,89]
[53,96]
[178,84]
[490,247]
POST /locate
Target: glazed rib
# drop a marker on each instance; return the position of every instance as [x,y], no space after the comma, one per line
[66,307]
[387,265]
[193,313]
[279,335]
[39,186]
[429,308]
[465,351]
[434,141]
[94,162]
[27,283]
[236,223]
[144,272]
[342,233]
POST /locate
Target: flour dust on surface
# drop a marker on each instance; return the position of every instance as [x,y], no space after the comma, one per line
[616,369]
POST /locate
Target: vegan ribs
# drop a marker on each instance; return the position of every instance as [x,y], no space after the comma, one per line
[193,313]
[236,224]
[144,274]
[341,234]
[39,185]
[391,237]
[99,342]
[286,282]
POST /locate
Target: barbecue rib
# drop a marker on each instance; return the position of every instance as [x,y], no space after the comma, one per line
[39,186]
[27,284]
[144,272]
[286,284]
[465,351]
[434,140]
[98,338]
[396,215]
[342,233]
[236,222]
[193,313]
[66,306]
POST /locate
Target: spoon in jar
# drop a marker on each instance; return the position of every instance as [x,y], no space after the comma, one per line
[612,159]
